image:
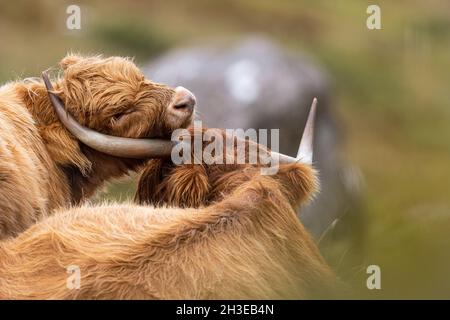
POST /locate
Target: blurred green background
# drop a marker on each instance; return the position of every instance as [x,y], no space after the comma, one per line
[391,89]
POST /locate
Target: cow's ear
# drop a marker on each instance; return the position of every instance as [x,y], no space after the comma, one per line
[299,182]
[70,60]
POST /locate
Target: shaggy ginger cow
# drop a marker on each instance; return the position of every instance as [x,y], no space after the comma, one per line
[43,166]
[244,242]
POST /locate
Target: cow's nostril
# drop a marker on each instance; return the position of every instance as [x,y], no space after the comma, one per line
[185,105]
[181,106]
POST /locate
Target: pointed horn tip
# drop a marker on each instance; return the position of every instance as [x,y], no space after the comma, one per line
[314,103]
[47,82]
[305,150]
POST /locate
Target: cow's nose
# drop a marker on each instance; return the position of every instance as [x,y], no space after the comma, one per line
[184,100]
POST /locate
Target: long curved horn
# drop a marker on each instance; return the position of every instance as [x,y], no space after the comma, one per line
[305,150]
[111,145]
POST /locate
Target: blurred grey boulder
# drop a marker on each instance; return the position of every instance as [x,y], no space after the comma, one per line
[256,84]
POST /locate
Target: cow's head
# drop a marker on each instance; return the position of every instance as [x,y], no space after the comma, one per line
[195,185]
[112,96]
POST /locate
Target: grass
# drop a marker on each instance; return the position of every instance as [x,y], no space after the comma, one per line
[391,94]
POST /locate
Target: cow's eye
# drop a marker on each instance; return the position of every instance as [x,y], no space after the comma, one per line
[121,114]
[118,116]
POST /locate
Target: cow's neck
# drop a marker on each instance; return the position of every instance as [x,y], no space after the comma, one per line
[84,169]
[104,168]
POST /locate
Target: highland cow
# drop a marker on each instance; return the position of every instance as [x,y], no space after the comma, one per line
[44,167]
[243,242]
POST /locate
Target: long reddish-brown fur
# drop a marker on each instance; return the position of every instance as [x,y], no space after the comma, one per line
[244,242]
[42,166]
